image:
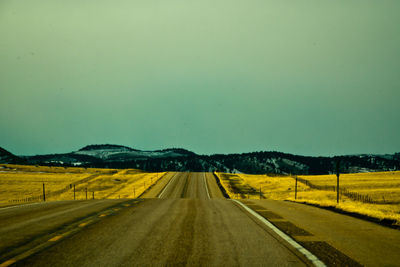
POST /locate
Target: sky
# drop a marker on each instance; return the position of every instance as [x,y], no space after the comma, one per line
[312,77]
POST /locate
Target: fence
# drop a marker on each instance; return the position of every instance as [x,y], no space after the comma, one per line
[27,199]
[342,191]
[83,191]
[52,194]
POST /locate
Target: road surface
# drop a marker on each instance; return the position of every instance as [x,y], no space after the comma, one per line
[186,222]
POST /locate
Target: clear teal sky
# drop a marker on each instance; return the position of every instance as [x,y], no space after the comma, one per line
[312,77]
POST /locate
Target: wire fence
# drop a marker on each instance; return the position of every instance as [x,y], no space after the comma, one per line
[342,191]
[83,192]
[56,193]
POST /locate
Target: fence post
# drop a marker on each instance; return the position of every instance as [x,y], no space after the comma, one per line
[134,193]
[93,194]
[295,189]
[74,191]
[260,192]
[44,194]
[86,192]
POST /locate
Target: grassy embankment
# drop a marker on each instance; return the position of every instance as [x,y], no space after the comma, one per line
[23,184]
[382,187]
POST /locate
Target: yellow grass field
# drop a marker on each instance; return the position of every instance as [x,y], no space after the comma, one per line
[23,184]
[381,187]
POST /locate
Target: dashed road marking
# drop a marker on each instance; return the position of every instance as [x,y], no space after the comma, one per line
[56,238]
[83,224]
[75,227]
[8,263]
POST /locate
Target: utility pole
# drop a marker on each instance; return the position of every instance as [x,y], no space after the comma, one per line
[337,175]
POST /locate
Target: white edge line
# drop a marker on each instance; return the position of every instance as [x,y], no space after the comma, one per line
[285,237]
[205,183]
[22,205]
[162,192]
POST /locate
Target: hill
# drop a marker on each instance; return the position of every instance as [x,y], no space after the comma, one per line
[178,159]
[8,157]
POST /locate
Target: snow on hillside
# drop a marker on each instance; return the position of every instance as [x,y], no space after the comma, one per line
[126,153]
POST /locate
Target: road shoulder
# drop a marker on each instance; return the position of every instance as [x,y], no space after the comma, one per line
[332,236]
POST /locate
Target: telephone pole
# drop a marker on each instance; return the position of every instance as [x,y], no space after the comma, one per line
[337,175]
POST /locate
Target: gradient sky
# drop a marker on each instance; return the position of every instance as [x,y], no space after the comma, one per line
[312,77]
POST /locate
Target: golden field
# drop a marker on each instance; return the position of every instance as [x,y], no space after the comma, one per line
[382,187]
[23,184]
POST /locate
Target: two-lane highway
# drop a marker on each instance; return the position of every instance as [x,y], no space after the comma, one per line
[189,223]
[190,185]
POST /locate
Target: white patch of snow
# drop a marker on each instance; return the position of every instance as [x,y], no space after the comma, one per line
[118,152]
[273,161]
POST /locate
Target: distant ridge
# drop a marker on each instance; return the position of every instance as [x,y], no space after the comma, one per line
[105,146]
[177,150]
[8,157]
[120,147]
[180,159]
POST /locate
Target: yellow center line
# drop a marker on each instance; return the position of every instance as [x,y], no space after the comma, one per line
[7,263]
[58,237]
[54,239]
[83,224]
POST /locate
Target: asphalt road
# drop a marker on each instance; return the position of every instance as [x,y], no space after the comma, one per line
[26,223]
[185,221]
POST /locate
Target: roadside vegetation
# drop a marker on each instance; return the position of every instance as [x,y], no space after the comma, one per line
[379,191]
[21,184]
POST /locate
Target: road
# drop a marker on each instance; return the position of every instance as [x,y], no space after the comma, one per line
[183,220]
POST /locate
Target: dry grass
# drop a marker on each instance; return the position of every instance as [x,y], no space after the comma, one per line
[242,186]
[18,183]
[382,186]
